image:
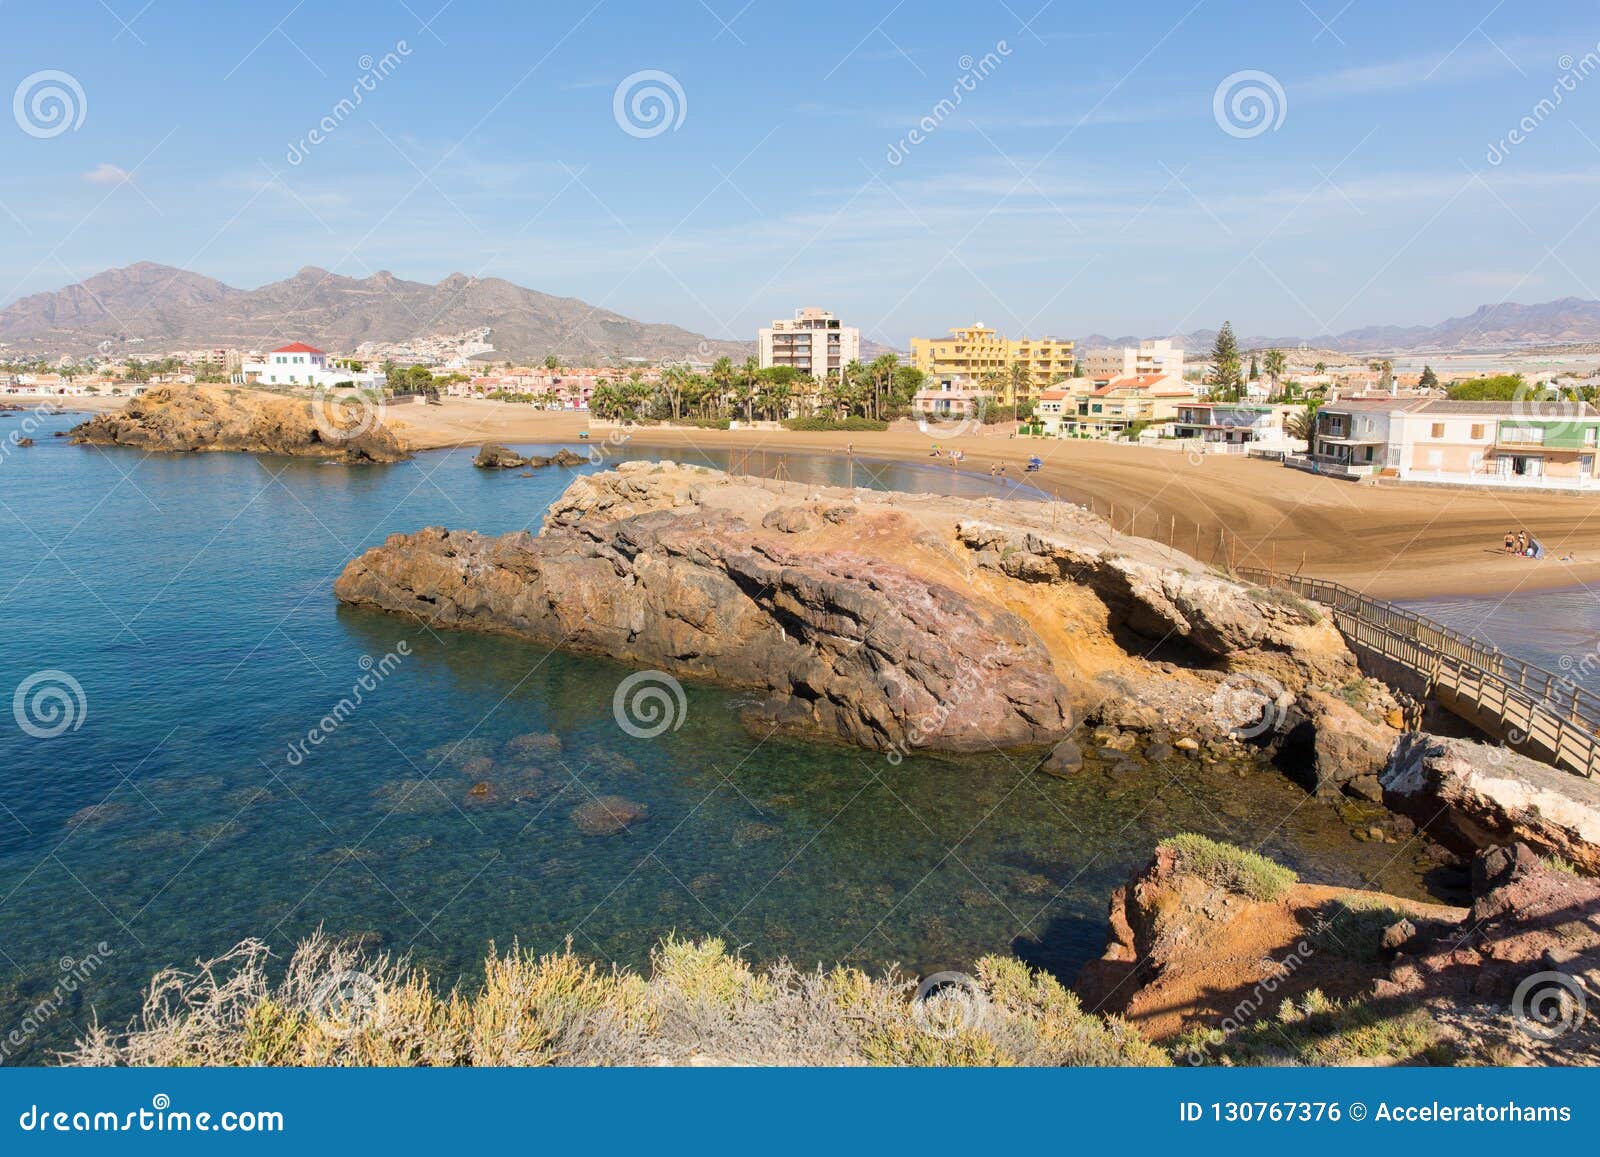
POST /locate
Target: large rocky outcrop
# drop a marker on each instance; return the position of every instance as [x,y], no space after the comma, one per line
[1475,795]
[195,418]
[887,620]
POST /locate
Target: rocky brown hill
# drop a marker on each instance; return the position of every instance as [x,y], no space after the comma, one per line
[147,309]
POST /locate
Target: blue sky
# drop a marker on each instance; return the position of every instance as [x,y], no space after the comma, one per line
[1084,183]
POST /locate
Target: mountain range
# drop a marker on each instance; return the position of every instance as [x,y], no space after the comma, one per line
[1508,324]
[149,309]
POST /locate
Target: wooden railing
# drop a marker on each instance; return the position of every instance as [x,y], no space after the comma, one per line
[1533,708]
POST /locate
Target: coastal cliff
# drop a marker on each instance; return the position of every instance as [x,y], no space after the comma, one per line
[893,621]
[198,418]
[1227,958]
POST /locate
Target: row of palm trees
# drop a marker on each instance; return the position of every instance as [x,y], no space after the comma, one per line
[879,389]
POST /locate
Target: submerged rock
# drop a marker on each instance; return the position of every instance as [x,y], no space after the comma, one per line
[608,815]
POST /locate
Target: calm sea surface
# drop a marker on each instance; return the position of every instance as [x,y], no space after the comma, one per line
[189,598]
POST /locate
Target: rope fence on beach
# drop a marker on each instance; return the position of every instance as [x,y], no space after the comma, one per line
[1533,708]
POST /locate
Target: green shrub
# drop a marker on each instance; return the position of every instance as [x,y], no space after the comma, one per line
[1241,872]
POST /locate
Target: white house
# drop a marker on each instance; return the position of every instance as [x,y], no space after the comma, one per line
[298,364]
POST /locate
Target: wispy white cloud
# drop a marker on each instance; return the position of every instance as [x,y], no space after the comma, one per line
[106,173]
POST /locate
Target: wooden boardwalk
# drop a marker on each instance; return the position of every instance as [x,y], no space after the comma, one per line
[1537,712]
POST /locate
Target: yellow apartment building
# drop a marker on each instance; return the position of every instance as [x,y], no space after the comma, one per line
[985,357]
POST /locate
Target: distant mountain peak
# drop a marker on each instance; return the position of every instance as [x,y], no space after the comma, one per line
[163,308]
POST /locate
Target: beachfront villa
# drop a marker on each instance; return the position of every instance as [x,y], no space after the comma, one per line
[1237,427]
[814,342]
[950,398]
[1550,445]
[1080,408]
[979,354]
[298,364]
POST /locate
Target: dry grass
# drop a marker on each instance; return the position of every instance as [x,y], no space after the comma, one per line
[700,1004]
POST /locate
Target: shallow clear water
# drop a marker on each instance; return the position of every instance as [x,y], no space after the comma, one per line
[1557,629]
[189,596]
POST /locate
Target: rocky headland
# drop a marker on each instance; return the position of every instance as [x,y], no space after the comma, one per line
[894,621]
[198,418]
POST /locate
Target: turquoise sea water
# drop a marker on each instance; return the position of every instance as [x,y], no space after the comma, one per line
[189,598]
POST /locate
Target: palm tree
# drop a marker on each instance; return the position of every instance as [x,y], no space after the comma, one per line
[1301,424]
[1021,382]
[552,363]
[672,382]
[607,402]
[1274,362]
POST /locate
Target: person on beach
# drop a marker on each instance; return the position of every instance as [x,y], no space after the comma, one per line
[1522,543]
[1511,542]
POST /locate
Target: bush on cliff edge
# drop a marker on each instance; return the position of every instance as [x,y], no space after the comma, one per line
[1241,872]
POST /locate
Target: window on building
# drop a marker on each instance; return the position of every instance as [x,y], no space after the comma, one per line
[1477,432]
[1438,429]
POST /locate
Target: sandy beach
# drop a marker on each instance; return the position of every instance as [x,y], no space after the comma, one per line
[1393,541]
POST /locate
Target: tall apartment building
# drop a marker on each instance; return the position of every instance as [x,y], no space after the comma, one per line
[1148,357]
[980,355]
[813,342]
